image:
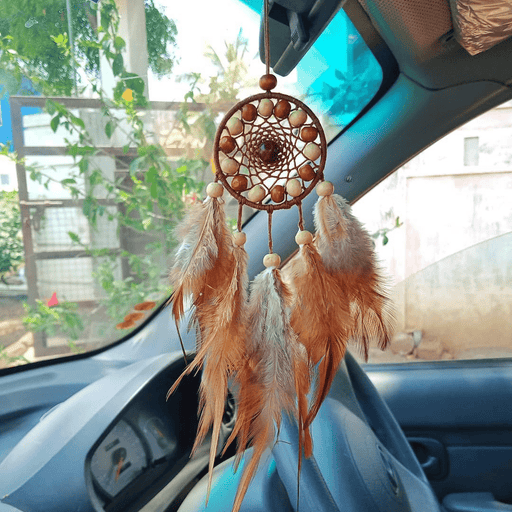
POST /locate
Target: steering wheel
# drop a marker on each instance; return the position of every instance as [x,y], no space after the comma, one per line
[361,461]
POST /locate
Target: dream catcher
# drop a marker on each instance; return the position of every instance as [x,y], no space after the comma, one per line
[283,338]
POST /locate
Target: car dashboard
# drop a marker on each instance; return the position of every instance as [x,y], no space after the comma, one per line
[115,445]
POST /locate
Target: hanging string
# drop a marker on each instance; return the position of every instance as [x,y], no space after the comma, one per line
[301,217]
[270,231]
[267,38]
[239,221]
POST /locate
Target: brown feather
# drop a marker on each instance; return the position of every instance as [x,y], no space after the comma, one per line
[266,381]
[347,252]
[213,271]
[321,318]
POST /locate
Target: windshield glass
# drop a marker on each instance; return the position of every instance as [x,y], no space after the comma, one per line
[94,180]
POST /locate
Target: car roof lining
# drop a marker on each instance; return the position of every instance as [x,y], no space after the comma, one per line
[420,36]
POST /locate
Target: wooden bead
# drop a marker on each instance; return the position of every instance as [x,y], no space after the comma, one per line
[256,194]
[227,144]
[272,260]
[307,173]
[265,107]
[303,237]
[239,183]
[268,82]
[239,238]
[249,112]
[214,190]
[297,118]
[308,133]
[293,187]
[235,126]
[277,194]
[312,151]
[229,166]
[325,188]
[282,109]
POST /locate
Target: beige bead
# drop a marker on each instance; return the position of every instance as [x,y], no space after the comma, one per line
[239,238]
[312,151]
[297,118]
[303,237]
[256,194]
[243,170]
[214,190]
[325,188]
[229,166]
[294,188]
[272,260]
[265,108]
[235,126]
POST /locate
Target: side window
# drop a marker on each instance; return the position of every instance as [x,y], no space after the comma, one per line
[442,226]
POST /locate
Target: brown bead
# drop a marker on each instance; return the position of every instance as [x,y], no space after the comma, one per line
[282,109]
[249,112]
[227,144]
[277,194]
[268,82]
[308,133]
[306,172]
[268,151]
[239,183]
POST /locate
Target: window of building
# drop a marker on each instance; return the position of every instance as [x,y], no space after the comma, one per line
[471,151]
[4,179]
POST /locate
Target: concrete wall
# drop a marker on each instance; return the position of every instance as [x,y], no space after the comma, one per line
[451,261]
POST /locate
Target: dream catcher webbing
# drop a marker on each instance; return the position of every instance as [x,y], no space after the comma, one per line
[276,341]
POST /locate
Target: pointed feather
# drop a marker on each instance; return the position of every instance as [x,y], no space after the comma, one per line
[347,252]
[267,380]
[321,318]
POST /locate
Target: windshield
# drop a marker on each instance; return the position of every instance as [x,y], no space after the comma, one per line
[94,180]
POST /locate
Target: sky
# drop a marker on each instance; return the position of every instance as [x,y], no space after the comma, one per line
[199,23]
[203,22]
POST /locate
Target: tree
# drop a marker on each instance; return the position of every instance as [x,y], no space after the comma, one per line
[33,24]
[11,242]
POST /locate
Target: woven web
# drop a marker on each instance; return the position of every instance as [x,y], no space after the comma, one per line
[288,156]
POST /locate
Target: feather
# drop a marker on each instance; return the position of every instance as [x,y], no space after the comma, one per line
[267,379]
[321,318]
[204,258]
[347,252]
[211,269]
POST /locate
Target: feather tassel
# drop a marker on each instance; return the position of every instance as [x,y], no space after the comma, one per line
[267,380]
[321,318]
[347,253]
[211,269]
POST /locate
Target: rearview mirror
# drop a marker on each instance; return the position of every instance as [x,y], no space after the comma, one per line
[294,25]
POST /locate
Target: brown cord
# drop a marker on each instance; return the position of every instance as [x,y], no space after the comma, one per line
[301,217]
[270,231]
[267,38]
[240,213]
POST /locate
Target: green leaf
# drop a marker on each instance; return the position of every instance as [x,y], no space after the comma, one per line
[68,181]
[109,128]
[398,223]
[50,107]
[385,240]
[118,65]
[119,43]
[126,149]
[74,237]
[83,165]
[54,123]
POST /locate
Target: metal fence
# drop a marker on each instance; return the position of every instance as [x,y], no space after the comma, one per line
[47,221]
